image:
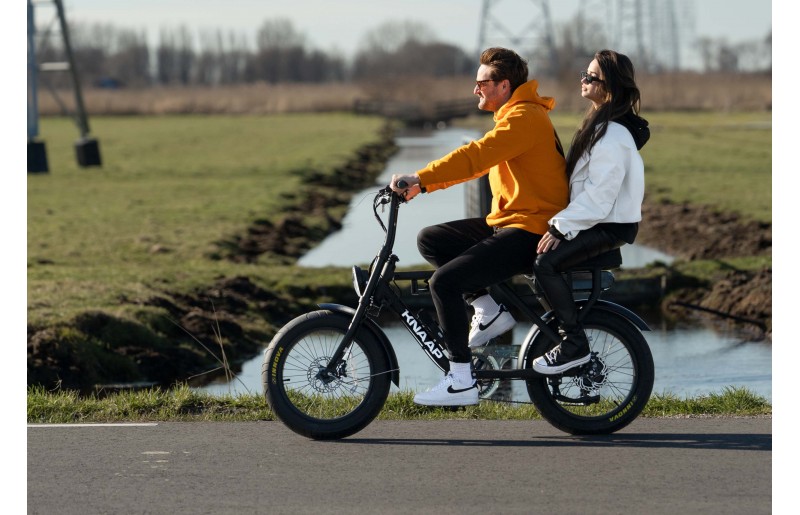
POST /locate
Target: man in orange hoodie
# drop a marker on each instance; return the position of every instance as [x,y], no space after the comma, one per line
[526,167]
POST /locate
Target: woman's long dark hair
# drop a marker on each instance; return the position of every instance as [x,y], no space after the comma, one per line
[622,96]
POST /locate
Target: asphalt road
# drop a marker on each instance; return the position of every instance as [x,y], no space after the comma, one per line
[655,466]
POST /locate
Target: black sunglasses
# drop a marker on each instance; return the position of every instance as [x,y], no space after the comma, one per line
[480,83]
[585,77]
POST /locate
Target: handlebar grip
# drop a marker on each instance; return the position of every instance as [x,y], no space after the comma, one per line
[402,184]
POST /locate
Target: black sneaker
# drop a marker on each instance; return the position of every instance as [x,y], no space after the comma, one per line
[555,361]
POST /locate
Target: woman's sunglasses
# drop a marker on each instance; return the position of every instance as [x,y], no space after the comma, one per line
[588,79]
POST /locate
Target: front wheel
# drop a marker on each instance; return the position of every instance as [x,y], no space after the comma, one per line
[312,400]
[607,393]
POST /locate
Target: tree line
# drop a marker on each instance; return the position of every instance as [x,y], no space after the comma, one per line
[109,56]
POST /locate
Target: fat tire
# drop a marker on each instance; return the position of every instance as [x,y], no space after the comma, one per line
[611,330]
[314,335]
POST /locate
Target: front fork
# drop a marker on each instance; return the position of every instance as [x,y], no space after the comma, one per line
[368,294]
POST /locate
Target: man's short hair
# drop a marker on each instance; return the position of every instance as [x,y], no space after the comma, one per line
[506,64]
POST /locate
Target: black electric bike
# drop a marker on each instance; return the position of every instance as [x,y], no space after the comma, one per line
[327,374]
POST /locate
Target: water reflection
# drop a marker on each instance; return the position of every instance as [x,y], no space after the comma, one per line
[690,360]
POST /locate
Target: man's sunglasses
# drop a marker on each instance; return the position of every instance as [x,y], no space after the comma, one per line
[588,79]
[480,83]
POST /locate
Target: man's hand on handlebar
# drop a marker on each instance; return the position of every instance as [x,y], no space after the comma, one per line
[407,186]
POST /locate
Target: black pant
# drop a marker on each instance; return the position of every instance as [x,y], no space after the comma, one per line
[550,265]
[470,256]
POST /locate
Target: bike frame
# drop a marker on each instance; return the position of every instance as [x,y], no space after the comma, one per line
[375,291]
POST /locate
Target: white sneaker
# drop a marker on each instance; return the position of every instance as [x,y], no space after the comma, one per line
[485,326]
[449,392]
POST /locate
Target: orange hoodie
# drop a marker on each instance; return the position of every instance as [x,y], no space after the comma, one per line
[526,171]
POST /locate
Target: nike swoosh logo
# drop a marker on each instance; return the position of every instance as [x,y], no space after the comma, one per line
[450,389]
[484,327]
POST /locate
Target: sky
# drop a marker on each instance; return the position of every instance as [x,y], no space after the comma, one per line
[341,25]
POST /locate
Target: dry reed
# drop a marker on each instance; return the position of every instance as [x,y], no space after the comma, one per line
[663,92]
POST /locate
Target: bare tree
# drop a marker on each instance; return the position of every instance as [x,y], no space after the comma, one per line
[282,55]
[130,62]
[208,65]
[706,47]
[580,39]
[175,56]
[185,56]
[234,59]
[402,49]
[279,33]
[389,37]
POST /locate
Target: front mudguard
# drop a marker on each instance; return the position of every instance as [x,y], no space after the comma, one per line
[599,305]
[377,332]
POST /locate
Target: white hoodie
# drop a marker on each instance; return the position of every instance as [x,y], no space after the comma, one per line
[607,185]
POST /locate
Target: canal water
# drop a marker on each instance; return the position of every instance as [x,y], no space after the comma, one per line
[691,358]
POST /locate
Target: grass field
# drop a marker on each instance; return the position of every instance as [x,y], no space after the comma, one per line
[169,188]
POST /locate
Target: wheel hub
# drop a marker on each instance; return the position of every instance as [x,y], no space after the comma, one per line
[320,378]
[592,376]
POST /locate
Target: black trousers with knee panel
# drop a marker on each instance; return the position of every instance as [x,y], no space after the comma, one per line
[589,243]
[469,256]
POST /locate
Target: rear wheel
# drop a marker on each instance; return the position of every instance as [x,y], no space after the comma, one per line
[316,402]
[607,393]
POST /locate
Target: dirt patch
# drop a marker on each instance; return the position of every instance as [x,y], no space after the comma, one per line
[743,297]
[696,232]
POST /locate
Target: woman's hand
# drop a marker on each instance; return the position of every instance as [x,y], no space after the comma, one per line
[411,190]
[547,242]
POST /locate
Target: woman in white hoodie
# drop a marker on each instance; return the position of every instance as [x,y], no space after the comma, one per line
[606,176]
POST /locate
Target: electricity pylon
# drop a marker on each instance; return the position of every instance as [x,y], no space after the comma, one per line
[535,36]
[87,149]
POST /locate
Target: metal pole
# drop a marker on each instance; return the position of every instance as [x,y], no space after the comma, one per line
[33,101]
[83,122]
[482,28]
[37,154]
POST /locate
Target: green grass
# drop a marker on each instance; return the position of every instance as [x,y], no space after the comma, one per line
[168,190]
[184,404]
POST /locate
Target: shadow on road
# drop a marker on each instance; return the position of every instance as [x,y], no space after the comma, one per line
[738,442]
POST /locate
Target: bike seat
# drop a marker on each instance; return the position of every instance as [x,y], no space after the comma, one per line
[605,261]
